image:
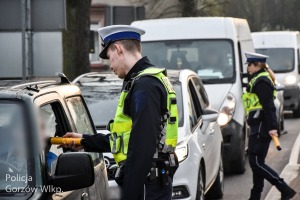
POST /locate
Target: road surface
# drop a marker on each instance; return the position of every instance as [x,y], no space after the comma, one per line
[238,186]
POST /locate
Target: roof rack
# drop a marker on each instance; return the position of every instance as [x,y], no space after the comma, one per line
[33,83]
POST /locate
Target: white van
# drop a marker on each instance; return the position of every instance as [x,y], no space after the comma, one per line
[214,48]
[282,47]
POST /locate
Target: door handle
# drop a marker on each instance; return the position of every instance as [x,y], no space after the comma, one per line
[211,131]
[84,196]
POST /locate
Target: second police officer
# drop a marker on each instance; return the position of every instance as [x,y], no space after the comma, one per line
[261,117]
[144,131]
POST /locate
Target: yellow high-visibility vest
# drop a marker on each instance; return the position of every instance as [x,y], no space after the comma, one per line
[250,99]
[121,127]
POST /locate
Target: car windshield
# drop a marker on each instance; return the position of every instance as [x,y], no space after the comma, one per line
[13,154]
[280,59]
[101,96]
[213,60]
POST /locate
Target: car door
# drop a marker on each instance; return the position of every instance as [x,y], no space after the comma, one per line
[53,121]
[204,136]
[213,136]
[83,124]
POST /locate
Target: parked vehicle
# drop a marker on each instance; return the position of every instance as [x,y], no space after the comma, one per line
[200,142]
[214,48]
[279,104]
[32,168]
[282,47]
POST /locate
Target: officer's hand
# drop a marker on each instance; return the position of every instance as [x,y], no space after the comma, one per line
[273,133]
[72,145]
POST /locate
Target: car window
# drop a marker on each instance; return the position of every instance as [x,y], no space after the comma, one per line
[14,159]
[298,54]
[101,96]
[212,60]
[195,99]
[201,91]
[192,114]
[81,119]
[50,126]
[280,59]
[80,116]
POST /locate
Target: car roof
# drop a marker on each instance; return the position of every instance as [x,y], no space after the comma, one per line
[202,28]
[29,90]
[109,79]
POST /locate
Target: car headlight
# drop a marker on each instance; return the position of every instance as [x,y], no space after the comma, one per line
[181,152]
[227,110]
[290,79]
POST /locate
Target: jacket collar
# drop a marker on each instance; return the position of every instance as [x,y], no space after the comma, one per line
[140,65]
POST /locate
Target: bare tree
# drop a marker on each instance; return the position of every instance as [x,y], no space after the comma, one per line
[181,8]
[159,8]
[266,14]
[76,38]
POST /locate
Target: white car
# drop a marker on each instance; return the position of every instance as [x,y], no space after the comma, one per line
[199,148]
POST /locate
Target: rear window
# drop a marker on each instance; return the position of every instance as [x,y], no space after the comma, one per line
[102,101]
[13,151]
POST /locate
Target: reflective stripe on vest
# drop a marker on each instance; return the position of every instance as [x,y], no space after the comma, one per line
[250,99]
[122,125]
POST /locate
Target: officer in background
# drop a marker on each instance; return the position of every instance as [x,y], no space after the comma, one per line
[144,132]
[261,117]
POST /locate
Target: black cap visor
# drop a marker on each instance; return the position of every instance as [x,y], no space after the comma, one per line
[103,53]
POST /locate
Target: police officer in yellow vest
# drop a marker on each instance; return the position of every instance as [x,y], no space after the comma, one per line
[261,117]
[144,131]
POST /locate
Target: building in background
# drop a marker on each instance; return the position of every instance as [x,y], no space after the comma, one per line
[104,13]
[46,52]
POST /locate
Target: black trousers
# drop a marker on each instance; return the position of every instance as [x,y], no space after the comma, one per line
[154,191]
[258,149]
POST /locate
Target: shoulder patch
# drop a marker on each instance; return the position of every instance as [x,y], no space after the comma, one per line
[168,84]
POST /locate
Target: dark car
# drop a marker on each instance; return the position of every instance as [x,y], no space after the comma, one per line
[32,168]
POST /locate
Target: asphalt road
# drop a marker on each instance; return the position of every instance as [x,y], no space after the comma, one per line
[238,186]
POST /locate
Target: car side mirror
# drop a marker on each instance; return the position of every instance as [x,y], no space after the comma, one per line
[210,115]
[279,87]
[244,77]
[74,170]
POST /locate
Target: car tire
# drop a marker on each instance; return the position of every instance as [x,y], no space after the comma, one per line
[238,166]
[217,189]
[200,185]
[282,123]
[296,113]
[280,126]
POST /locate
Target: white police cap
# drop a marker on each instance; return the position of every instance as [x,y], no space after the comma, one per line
[255,57]
[110,34]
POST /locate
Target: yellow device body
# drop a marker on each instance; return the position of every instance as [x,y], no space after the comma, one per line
[61,140]
[276,142]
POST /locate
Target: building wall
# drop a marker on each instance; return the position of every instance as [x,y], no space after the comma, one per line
[154,8]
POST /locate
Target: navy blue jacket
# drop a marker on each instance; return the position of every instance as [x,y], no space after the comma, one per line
[264,88]
[144,103]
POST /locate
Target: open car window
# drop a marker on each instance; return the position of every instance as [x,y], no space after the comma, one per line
[50,126]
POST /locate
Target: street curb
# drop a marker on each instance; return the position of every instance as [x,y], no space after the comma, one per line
[290,171]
